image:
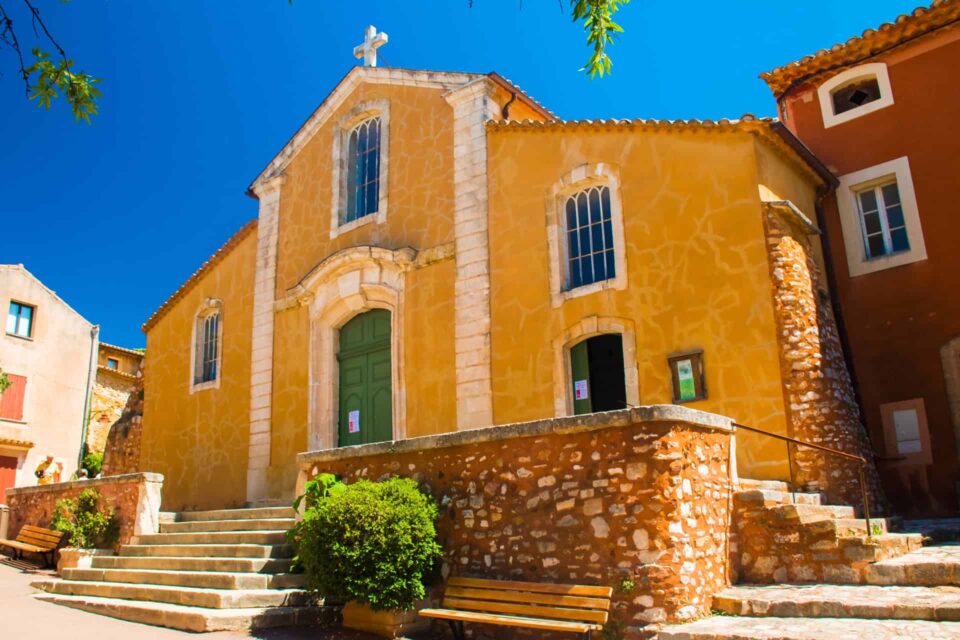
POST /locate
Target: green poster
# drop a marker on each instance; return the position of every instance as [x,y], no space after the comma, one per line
[688,388]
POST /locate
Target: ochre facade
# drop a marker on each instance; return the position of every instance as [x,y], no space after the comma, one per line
[463,252]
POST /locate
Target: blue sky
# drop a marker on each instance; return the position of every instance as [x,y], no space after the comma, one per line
[199,96]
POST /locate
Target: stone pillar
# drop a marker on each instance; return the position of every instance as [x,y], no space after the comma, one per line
[821,404]
[472,106]
[261,366]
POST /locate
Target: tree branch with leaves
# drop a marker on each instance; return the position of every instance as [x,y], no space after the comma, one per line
[47,77]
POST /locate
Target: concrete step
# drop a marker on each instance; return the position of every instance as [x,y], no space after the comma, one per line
[189,596]
[768,497]
[237,514]
[243,524]
[216,537]
[737,628]
[841,601]
[195,619]
[167,563]
[748,484]
[198,579]
[208,550]
[937,565]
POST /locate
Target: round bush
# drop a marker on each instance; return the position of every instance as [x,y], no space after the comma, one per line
[370,542]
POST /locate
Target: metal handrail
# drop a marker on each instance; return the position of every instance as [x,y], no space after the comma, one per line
[864,497]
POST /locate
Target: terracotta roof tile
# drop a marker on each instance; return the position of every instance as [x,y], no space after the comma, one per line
[903,29]
[211,262]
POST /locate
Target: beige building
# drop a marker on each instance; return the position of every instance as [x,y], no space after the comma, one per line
[49,353]
[117,369]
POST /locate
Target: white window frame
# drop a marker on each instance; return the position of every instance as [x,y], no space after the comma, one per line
[33,320]
[207,308]
[583,177]
[346,124]
[826,90]
[851,222]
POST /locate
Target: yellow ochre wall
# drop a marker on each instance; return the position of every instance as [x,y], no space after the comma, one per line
[697,271]
[199,441]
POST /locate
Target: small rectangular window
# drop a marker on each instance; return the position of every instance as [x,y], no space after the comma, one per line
[855,94]
[113,363]
[906,432]
[882,221]
[20,320]
[11,400]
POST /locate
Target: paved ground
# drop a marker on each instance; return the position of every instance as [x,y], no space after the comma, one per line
[21,616]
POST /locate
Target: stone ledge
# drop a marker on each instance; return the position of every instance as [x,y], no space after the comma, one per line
[96,482]
[571,424]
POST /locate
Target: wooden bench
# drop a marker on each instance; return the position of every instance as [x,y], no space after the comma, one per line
[567,608]
[35,540]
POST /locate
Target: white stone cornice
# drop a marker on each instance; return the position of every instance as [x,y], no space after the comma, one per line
[268,185]
[482,85]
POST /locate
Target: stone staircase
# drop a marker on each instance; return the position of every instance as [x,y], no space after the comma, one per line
[204,571]
[809,571]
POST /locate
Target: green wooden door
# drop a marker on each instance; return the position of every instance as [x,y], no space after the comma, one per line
[580,374]
[366,413]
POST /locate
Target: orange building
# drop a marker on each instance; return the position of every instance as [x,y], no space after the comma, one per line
[879,111]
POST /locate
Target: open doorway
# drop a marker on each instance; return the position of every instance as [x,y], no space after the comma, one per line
[596,365]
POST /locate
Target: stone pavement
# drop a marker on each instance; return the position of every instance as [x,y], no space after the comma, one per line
[21,616]
[735,628]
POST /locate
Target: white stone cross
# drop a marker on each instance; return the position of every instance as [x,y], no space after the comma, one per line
[368,50]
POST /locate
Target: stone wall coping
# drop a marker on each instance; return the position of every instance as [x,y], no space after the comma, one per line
[565,425]
[82,484]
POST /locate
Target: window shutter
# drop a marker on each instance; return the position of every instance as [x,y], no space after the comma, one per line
[580,372]
[11,400]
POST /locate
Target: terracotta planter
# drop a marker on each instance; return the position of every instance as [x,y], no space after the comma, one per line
[75,558]
[386,624]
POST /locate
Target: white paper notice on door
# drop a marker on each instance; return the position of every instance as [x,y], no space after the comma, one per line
[580,390]
[353,422]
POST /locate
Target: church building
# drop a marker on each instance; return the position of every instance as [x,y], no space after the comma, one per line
[437,252]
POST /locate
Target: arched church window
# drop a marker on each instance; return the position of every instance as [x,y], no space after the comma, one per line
[207,345]
[589,237]
[363,170]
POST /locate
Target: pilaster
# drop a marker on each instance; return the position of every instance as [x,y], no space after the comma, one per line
[261,366]
[472,107]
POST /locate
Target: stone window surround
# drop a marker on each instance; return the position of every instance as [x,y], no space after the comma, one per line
[825,93]
[338,185]
[925,455]
[583,177]
[346,284]
[582,330]
[857,262]
[208,307]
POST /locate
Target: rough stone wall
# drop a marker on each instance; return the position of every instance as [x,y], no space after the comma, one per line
[122,449]
[109,398]
[818,393]
[135,499]
[645,503]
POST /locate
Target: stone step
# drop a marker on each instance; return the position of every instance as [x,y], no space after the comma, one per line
[198,579]
[208,550]
[748,484]
[737,628]
[237,514]
[189,596]
[841,601]
[243,524]
[170,563]
[768,497]
[930,566]
[802,513]
[858,526]
[216,537]
[195,619]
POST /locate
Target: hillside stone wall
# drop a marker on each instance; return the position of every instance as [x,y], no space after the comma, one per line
[121,454]
[635,499]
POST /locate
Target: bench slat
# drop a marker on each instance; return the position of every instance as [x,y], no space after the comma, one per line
[37,531]
[510,621]
[574,602]
[40,542]
[533,611]
[32,548]
[533,587]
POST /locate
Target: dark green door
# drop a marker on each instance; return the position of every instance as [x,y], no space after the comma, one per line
[366,413]
[580,372]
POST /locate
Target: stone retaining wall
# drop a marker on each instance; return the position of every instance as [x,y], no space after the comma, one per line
[635,499]
[135,498]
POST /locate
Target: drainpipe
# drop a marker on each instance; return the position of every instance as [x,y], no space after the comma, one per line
[91,369]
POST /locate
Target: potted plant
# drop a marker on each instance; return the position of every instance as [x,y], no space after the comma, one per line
[371,546]
[90,529]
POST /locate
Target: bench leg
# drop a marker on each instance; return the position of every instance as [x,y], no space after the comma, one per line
[457,627]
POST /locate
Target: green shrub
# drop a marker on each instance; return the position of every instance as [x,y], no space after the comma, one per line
[87,525]
[93,463]
[370,542]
